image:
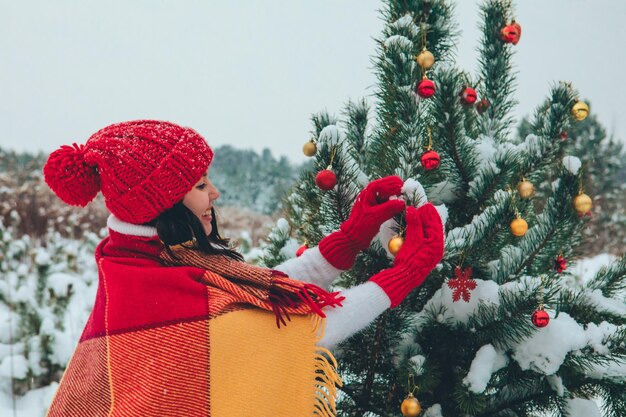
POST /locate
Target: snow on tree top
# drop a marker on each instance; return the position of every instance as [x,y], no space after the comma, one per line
[399,41]
[406,22]
[282,225]
[330,135]
[572,164]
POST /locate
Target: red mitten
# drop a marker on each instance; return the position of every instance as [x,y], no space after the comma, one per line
[371,208]
[420,253]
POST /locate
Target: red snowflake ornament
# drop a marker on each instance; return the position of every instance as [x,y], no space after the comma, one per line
[559,264]
[462,284]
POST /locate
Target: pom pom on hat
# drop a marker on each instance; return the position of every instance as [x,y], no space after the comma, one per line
[71,178]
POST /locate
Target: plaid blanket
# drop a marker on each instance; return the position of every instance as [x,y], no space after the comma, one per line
[188,341]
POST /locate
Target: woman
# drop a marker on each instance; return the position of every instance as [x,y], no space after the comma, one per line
[180,325]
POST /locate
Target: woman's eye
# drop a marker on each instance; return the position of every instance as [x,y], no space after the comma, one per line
[201,186]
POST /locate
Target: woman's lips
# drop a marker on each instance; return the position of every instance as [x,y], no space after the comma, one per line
[207,214]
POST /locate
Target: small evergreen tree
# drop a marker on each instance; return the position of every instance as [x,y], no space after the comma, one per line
[46,295]
[481,357]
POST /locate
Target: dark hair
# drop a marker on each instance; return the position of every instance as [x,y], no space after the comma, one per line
[179,224]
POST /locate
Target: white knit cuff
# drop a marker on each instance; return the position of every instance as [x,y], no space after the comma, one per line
[310,267]
[363,303]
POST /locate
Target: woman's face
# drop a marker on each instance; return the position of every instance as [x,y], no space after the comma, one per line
[200,201]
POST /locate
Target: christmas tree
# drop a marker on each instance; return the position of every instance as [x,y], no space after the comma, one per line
[499,328]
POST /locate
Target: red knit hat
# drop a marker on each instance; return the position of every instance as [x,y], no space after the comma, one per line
[142,167]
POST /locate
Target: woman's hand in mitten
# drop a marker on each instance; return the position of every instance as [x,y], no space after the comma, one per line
[371,208]
[420,253]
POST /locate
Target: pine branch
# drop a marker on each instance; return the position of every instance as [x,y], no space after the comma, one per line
[366,392]
[356,123]
[556,223]
[496,71]
[511,162]
[398,73]
[479,230]
[450,132]
[610,280]
[578,305]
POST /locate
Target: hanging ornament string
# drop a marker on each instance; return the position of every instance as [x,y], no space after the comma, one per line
[408,384]
[582,202]
[430,140]
[410,407]
[302,232]
[333,151]
[540,295]
[327,179]
[540,318]
[518,226]
[430,159]
[462,259]
[514,203]
[580,179]
[425,59]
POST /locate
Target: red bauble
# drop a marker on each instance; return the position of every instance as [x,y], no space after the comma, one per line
[468,96]
[559,264]
[301,250]
[482,106]
[511,33]
[326,179]
[540,318]
[430,160]
[426,88]
[564,135]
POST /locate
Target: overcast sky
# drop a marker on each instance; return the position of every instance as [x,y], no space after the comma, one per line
[250,73]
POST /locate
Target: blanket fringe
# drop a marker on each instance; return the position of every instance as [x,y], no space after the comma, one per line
[314,297]
[326,377]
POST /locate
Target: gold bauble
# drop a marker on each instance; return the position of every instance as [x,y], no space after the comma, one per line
[519,227]
[580,111]
[525,189]
[582,203]
[395,243]
[410,406]
[309,148]
[425,59]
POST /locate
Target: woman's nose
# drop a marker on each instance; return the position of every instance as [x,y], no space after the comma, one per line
[214,193]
